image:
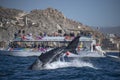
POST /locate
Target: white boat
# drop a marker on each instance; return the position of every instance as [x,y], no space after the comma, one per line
[31,50]
[85,50]
[87,47]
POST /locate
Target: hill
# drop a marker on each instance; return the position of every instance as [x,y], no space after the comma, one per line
[38,21]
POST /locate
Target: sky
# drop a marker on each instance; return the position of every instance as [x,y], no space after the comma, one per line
[97,13]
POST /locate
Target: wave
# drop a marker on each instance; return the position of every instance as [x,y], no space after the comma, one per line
[73,63]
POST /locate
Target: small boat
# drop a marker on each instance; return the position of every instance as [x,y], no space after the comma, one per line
[87,47]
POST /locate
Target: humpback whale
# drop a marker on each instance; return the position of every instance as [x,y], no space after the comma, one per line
[54,55]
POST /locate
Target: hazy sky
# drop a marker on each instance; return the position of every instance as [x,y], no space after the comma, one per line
[89,12]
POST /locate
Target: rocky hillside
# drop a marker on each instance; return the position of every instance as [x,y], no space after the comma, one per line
[9,13]
[37,21]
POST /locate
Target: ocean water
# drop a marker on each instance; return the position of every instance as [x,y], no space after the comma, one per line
[88,68]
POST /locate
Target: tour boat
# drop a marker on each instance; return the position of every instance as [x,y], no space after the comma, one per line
[35,47]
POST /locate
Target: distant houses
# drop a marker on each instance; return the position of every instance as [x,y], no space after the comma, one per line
[111,42]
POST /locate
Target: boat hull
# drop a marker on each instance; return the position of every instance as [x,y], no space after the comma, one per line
[20,53]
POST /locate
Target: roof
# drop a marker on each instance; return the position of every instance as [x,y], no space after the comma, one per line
[58,38]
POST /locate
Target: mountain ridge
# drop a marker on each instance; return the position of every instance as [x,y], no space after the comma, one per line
[36,21]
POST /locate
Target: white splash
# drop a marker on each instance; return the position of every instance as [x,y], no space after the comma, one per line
[74,63]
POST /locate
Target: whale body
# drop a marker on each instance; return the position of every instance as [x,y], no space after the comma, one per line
[54,55]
